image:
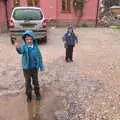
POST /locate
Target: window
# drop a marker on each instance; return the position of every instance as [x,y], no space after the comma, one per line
[33,3]
[66,5]
[16,3]
[27,14]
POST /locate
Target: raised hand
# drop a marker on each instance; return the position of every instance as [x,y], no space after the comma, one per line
[17,45]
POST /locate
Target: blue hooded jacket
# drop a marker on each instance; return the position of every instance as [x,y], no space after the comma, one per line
[24,50]
[70,38]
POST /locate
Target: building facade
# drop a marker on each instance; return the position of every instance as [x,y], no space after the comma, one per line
[3,16]
[57,12]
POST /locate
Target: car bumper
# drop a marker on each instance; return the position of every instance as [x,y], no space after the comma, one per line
[16,34]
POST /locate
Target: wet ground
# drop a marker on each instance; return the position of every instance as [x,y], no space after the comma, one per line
[87,89]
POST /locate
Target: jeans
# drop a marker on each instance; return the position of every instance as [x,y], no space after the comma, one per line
[31,75]
[69,52]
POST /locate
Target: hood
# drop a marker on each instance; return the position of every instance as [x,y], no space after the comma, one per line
[30,33]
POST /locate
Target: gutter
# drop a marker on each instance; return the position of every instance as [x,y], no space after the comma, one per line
[98,3]
[6,11]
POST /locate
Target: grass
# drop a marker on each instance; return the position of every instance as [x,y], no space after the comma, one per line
[115,27]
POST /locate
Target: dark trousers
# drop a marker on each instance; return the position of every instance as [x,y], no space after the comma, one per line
[69,52]
[31,75]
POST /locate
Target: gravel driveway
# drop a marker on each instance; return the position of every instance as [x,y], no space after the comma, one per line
[87,89]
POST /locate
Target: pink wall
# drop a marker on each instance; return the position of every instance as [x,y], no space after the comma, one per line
[2,16]
[52,10]
[90,10]
[2,12]
[49,7]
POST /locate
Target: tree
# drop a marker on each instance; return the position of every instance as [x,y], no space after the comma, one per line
[78,5]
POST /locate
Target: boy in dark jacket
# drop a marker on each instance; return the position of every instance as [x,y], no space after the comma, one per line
[31,62]
[70,39]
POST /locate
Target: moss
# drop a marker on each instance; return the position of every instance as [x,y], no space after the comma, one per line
[115,27]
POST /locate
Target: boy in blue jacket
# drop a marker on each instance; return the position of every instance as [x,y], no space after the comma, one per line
[31,62]
[70,39]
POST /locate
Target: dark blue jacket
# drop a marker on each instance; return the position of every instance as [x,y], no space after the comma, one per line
[70,38]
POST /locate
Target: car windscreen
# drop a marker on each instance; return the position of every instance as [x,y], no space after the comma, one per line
[27,14]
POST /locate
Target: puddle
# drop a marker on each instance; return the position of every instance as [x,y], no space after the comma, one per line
[16,107]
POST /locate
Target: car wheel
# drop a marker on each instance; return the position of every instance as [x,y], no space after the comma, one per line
[38,41]
[44,39]
[12,41]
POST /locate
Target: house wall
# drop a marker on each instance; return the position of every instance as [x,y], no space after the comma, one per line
[90,10]
[3,21]
[52,11]
[49,7]
[9,7]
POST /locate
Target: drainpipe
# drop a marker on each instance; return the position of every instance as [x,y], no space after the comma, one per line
[57,10]
[98,3]
[6,11]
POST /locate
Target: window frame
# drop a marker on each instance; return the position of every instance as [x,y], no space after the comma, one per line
[67,8]
[34,3]
[16,3]
[37,10]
